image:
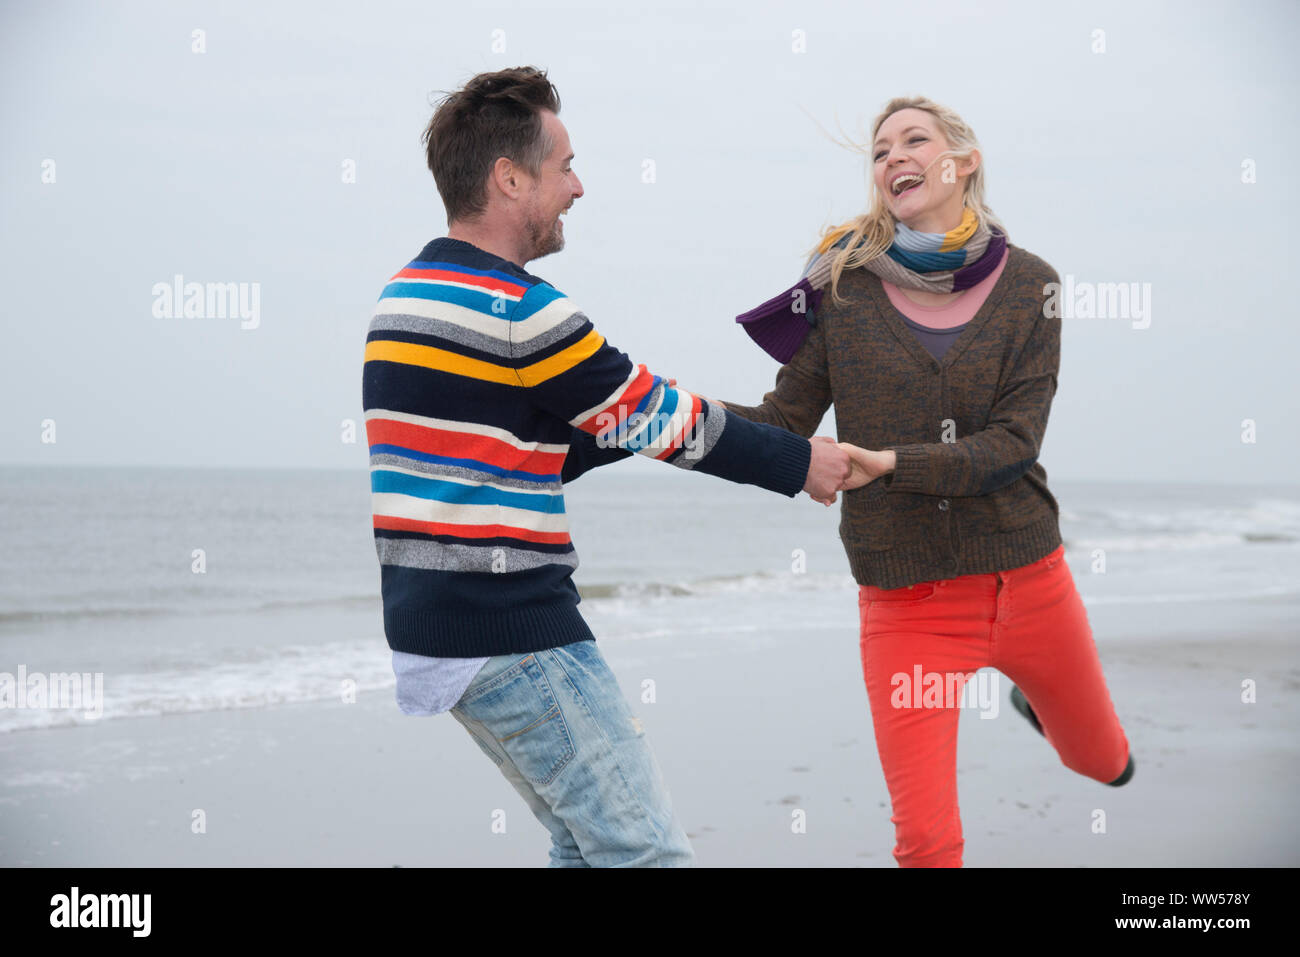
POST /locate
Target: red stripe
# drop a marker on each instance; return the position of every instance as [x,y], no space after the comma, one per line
[623,405]
[391,523]
[691,418]
[463,445]
[488,283]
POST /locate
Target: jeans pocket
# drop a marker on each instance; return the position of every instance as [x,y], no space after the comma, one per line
[520,710]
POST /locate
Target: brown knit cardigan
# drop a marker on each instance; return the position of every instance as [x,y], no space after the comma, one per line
[968,495]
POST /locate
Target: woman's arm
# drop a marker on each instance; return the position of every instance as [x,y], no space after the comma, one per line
[1007,447]
[802,394]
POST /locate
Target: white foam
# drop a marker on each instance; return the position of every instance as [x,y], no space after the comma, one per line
[295,673]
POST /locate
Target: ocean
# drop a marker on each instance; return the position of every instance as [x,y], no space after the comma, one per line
[197,589]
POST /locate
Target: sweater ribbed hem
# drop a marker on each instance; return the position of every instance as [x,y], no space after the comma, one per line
[789,471]
[915,562]
[909,474]
[499,632]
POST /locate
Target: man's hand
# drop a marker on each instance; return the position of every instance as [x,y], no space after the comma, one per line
[867,465]
[828,471]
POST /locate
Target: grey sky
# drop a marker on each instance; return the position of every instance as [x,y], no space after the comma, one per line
[226,166]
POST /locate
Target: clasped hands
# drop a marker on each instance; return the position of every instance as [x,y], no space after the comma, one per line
[838,466]
[841,466]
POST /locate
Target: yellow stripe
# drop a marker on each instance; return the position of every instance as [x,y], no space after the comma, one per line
[956,238]
[834,236]
[443,360]
[584,348]
[413,354]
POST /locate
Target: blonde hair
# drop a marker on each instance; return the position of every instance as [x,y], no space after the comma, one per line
[870,234]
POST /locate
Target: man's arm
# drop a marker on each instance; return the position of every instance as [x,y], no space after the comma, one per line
[570,371]
[587,452]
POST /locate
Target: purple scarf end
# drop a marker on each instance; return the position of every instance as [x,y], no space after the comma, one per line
[781,324]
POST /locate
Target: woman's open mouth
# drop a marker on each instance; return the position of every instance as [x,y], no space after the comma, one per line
[906,183]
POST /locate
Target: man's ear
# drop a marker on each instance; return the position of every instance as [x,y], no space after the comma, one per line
[506,177]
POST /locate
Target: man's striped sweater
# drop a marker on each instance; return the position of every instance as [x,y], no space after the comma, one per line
[484,390]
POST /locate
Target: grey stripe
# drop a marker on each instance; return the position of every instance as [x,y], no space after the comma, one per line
[706,436]
[443,330]
[457,471]
[655,400]
[451,332]
[555,334]
[442,556]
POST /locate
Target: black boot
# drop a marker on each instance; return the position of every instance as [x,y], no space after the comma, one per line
[1124,775]
[1021,704]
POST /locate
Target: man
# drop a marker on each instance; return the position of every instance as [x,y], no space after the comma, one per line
[485,389]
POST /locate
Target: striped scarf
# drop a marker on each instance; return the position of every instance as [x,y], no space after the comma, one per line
[929,262]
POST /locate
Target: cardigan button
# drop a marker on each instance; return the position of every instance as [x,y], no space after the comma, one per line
[943,505]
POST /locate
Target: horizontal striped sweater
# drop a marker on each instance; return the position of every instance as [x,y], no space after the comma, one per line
[485,389]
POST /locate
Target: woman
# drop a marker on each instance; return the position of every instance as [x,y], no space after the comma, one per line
[935,346]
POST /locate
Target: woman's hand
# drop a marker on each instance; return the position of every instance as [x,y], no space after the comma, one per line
[864,466]
[867,465]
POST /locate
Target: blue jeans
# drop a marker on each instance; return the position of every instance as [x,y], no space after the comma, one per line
[558,727]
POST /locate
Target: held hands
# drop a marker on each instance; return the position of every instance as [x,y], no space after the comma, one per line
[840,466]
[836,466]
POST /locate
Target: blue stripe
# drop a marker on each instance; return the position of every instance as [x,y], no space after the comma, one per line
[474,464]
[927,262]
[457,494]
[627,420]
[649,393]
[658,424]
[477,299]
[539,297]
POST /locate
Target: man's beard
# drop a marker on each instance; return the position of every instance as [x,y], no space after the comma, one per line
[544,239]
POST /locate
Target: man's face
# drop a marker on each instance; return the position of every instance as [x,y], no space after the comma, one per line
[551,193]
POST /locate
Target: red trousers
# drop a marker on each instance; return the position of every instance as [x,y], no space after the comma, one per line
[1028,623]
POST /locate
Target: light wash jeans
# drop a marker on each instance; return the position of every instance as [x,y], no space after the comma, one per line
[558,727]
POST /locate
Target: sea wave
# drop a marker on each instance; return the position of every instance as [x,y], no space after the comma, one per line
[286,675]
[23,616]
[755,583]
[1181,598]
[1263,521]
[1171,541]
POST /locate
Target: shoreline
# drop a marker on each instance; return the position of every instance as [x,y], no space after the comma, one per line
[746,731]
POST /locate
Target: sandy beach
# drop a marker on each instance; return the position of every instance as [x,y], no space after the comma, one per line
[746,732]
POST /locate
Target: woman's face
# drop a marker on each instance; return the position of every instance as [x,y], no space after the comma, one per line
[910,172]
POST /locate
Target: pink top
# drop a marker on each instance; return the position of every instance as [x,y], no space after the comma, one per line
[956,313]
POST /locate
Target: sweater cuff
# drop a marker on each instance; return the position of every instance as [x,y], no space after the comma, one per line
[790,467]
[750,453]
[909,470]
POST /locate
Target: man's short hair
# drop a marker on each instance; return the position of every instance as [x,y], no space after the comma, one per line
[493,115]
